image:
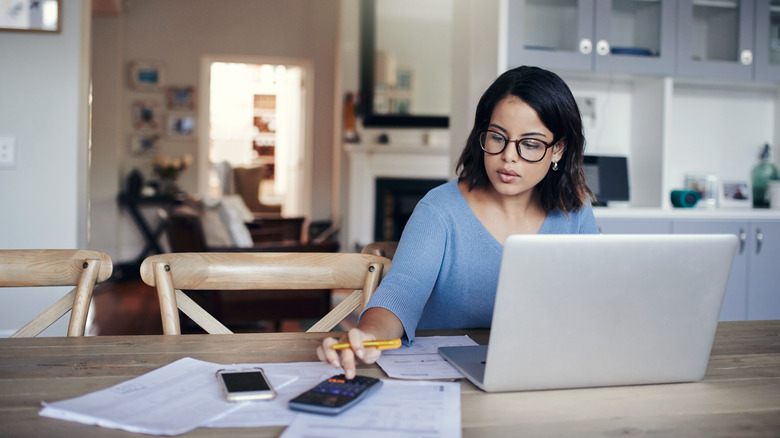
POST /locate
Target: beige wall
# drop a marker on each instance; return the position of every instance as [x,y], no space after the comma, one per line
[180,33]
[43,104]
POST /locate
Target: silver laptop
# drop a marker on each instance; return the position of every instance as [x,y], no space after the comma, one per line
[577,311]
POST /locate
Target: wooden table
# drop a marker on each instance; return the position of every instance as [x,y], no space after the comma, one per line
[740,395]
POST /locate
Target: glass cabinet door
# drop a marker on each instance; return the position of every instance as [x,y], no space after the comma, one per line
[554,34]
[635,36]
[767,51]
[617,36]
[715,38]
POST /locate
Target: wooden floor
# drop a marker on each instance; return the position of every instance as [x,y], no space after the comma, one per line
[131,308]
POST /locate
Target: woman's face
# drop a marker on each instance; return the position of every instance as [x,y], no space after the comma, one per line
[509,174]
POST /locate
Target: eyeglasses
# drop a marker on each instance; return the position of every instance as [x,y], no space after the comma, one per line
[529,149]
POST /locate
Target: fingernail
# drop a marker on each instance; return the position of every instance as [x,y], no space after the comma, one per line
[360,353]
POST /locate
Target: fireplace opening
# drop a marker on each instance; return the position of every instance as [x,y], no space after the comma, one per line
[395,201]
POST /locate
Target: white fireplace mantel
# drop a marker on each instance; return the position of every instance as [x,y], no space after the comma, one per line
[369,162]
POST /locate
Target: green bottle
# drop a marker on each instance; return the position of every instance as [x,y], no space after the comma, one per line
[764,172]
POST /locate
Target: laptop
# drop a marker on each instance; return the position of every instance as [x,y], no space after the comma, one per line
[575,311]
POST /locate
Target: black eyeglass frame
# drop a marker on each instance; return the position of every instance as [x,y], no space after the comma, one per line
[516,141]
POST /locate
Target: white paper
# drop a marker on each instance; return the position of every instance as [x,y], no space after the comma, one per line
[421,360]
[186,394]
[170,400]
[398,409]
[276,412]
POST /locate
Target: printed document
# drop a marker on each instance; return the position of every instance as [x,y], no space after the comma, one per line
[186,394]
[399,409]
[175,399]
[421,360]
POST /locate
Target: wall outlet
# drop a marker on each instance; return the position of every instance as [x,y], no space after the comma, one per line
[7,151]
[587,106]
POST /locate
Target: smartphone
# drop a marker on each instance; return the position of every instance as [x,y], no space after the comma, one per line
[335,395]
[245,384]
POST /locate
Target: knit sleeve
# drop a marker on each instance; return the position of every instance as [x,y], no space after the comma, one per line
[416,264]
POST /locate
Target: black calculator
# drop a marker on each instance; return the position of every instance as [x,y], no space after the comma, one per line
[335,395]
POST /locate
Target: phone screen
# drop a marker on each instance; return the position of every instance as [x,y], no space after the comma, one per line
[243,385]
[245,381]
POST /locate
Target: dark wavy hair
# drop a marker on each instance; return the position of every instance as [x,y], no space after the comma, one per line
[551,98]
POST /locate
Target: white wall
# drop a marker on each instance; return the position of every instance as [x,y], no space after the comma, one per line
[719,132]
[179,33]
[43,104]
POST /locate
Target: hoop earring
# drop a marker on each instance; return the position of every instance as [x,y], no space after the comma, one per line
[555,166]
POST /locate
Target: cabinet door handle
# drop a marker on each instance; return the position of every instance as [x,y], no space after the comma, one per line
[759,240]
[586,46]
[742,240]
[746,57]
[602,47]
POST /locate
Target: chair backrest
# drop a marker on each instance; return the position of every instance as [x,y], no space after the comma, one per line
[383,249]
[56,267]
[172,273]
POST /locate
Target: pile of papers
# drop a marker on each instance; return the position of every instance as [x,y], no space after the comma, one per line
[186,394]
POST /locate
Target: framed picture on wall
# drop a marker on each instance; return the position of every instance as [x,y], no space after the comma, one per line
[147,75]
[180,98]
[147,115]
[143,144]
[180,125]
[31,15]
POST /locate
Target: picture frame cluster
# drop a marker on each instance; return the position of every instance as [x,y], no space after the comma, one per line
[158,110]
[715,192]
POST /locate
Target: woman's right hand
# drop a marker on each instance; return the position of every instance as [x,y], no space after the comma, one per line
[347,358]
[376,323]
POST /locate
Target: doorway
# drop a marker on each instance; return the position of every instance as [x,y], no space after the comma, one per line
[257,118]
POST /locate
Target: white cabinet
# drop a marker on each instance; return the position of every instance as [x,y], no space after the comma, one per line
[767,49]
[753,292]
[634,226]
[754,286]
[615,36]
[715,38]
[729,39]
[736,300]
[764,270]
[722,39]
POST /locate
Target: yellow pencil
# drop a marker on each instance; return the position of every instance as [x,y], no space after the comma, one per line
[383,344]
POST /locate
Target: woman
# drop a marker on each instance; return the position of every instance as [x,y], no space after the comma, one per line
[520,173]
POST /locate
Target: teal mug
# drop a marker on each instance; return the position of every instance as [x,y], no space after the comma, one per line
[685,198]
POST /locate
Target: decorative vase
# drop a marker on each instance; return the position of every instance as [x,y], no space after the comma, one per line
[168,187]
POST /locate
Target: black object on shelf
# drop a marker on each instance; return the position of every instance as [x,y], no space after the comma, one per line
[634,51]
[607,177]
[135,180]
[130,270]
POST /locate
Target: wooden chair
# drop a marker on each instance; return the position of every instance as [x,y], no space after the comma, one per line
[56,267]
[382,249]
[245,309]
[170,273]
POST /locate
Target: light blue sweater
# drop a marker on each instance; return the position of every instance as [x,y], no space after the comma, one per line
[445,271]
